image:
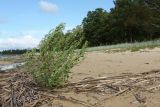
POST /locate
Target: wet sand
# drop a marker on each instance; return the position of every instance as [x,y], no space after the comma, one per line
[5,62]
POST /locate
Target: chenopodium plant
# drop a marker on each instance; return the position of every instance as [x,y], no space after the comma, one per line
[58,54]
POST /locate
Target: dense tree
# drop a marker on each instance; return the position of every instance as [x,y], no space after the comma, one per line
[154,5]
[130,20]
[95,27]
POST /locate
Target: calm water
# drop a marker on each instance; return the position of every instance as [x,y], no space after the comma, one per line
[8,56]
[8,67]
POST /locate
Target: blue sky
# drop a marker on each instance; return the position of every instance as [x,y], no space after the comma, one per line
[24,22]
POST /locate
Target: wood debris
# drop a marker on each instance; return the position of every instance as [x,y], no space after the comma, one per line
[20,90]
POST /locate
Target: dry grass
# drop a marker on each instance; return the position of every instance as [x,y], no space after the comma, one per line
[127,46]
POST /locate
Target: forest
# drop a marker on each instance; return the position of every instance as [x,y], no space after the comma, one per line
[129,21]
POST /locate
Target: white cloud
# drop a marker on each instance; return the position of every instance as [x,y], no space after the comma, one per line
[27,41]
[67,28]
[48,7]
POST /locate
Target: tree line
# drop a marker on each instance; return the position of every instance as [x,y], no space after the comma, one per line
[16,51]
[128,21]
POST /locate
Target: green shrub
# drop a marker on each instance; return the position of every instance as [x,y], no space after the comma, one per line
[51,67]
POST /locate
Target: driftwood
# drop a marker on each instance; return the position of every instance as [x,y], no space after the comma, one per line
[13,99]
[21,90]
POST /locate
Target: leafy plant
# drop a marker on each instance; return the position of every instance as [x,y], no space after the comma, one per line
[51,67]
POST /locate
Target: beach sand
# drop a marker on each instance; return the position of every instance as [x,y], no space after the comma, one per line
[101,64]
[5,62]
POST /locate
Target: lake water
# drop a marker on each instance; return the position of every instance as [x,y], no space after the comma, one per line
[8,67]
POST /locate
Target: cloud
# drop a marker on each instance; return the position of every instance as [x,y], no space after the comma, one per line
[48,7]
[68,28]
[27,41]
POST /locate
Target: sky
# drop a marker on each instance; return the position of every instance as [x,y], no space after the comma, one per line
[23,23]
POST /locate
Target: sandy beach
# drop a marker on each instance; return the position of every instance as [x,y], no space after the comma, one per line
[99,64]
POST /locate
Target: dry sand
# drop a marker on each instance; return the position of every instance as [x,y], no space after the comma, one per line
[100,64]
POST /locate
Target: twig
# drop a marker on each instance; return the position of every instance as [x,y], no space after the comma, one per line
[37,101]
[139,98]
[121,92]
[71,99]
[149,89]
[13,100]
